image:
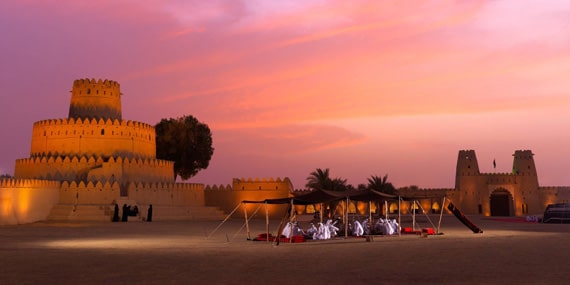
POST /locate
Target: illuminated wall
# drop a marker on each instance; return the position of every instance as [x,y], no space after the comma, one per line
[228,197]
[98,158]
[95,169]
[92,137]
[26,201]
[474,189]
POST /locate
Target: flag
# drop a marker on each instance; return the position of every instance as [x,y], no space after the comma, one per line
[494,164]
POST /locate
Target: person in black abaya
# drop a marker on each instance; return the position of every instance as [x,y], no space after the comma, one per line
[116,213]
[125,216]
[149,214]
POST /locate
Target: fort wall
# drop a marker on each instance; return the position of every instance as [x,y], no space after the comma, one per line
[95,169]
[92,98]
[90,193]
[25,201]
[144,193]
[167,194]
[228,197]
[101,137]
[512,194]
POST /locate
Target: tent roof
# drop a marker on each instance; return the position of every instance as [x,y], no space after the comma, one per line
[370,195]
[324,196]
[313,197]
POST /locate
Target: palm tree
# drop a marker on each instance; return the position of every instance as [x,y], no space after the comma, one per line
[381,184]
[338,184]
[319,180]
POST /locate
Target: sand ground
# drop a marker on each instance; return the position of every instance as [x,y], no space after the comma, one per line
[509,251]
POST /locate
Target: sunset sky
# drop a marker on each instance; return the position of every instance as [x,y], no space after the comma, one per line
[361,87]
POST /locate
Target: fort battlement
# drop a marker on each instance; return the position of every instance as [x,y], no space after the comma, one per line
[91,86]
[95,168]
[93,137]
[262,184]
[92,98]
[167,194]
[220,187]
[164,194]
[93,121]
[27,183]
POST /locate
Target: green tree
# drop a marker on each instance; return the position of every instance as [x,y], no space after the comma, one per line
[339,184]
[381,184]
[187,142]
[319,180]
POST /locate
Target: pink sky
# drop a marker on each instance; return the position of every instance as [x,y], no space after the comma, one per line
[361,87]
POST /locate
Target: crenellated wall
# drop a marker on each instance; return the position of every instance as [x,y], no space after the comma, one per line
[26,200]
[89,194]
[514,194]
[159,194]
[167,194]
[95,169]
[93,137]
[228,197]
[92,98]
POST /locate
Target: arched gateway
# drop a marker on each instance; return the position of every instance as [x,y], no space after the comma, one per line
[501,202]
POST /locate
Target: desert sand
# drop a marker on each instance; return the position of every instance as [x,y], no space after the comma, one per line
[510,251]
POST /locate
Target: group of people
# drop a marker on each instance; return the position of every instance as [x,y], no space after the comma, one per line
[330,229]
[132,211]
[321,231]
[381,227]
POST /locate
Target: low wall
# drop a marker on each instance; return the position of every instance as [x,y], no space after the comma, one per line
[89,194]
[27,200]
[167,194]
[228,199]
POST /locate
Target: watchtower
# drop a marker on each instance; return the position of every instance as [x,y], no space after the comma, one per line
[523,163]
[95,99]
[467,165]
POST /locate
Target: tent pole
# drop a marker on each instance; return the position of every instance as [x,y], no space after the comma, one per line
[399,216]
[346,219]
[369,216]
[227,217]
[414,215]
[246,221]
[386,209]
[267,221]
[281,225]
[441,213]
[321,213]
[249,218]
[292,215]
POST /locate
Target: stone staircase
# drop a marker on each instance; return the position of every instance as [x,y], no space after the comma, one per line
[181,213]
[104,213]
[84,213]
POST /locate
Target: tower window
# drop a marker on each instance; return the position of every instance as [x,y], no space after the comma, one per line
[102,132]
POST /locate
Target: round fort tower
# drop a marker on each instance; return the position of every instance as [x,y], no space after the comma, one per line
[95,99]
[94,143]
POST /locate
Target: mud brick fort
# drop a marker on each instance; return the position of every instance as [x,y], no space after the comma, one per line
[81,166]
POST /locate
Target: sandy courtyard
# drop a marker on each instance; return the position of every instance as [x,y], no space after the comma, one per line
[508,252]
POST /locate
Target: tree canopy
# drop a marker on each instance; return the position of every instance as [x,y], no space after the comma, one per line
[187,142]
[381,184]
[320,179]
